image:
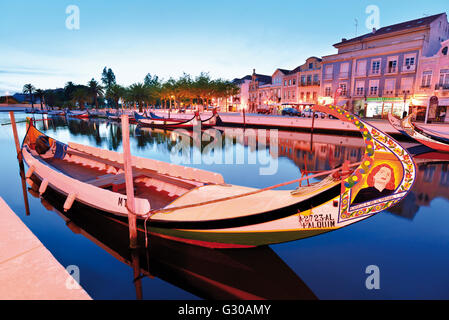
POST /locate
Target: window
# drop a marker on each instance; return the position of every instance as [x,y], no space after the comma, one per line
[315,95]
[310,65]
[328,72]
[392,65]
[361,68]
[294,81]
[344,70]
[406,85]
[344,88]
[316,79]
[290,82]
[375,67]
[303,80]
[328,91]
[360,88]
[308,96]
[309,80]
[285,83]
[409,62]
[374,87]
[390,85]
[444,77]
[426,79]
[302,96]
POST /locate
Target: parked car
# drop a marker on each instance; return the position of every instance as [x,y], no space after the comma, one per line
[309,112]
[263,110]
[291,112]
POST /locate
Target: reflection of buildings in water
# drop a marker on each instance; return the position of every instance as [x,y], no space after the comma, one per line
[327,151]
[432,182]
[256,273]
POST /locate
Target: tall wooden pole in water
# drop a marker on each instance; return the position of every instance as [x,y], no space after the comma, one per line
[127,161]
[19,157]
[16,136]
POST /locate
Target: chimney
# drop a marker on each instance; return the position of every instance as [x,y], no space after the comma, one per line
[374,30]
[254,71]
[344,39]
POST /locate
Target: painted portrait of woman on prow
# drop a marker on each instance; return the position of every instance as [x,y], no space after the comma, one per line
[380,184]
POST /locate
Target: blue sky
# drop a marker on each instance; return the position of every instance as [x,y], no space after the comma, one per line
[225,38]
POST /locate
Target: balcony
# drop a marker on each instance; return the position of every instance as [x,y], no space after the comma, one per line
[310,83]
[441,86]
[410,68]
[425,87]
[360,74]
[390,93]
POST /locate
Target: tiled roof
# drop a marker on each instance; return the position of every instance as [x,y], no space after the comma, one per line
[394,28]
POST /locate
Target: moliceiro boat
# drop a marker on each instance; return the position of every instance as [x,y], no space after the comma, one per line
[438,141]
[158,122]
[79,114]
[197,207]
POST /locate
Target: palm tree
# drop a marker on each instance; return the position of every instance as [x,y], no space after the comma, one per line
[28,88]
[138,93]
[40,94]
[115,93]
[80,96]
[95,90]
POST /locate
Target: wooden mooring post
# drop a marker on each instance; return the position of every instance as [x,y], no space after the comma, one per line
[127,161]
[19,157]
[16,136]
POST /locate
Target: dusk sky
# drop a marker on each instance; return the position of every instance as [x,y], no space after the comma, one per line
[166,38]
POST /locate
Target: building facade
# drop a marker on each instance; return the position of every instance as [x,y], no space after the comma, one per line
[432,88]
[309,82]
[254,95]
[376,73]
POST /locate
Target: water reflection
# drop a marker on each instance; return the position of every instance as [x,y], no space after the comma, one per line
[319,152]
[210,274]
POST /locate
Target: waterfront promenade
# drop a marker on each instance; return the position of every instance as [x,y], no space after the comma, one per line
[28,271]
[325,125]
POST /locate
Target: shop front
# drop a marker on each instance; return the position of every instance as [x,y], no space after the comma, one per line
[380,107]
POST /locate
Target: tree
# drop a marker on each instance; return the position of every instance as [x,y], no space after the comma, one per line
[69,88]
[108,77]
[115,92]
[138,93]
[40,94]
[80,96]
[28,88]
[95,90]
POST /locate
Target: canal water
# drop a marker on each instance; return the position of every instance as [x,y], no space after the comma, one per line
[408,244]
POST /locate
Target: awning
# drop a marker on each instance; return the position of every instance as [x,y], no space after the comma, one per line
[341,103]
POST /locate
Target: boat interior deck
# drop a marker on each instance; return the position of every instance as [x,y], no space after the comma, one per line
[158,189]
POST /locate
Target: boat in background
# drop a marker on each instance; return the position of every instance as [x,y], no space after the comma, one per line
[195,206]
[168,123]
[432,139]
[55,113]
[78,114]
